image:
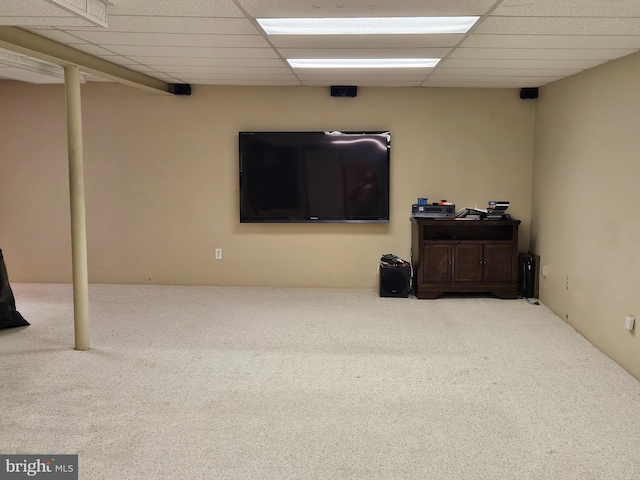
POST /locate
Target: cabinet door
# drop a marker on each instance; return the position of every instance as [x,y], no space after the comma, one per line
[498,263]
[436,262]
[469,262]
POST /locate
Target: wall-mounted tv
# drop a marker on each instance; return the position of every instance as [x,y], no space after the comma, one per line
[314,177]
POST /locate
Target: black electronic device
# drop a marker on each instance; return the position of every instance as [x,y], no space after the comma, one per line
[433,211]
[526,275]
[395,276]
[314,177]
[529,93]
[395,280]
[180,88]
[343,91]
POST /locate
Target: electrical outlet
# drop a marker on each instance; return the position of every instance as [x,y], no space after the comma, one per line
[567,282]
[218,254]
[629,322]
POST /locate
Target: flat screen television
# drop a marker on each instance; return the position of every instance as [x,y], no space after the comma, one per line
[288,177]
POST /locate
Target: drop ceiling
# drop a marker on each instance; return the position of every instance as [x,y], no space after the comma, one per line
[515,43]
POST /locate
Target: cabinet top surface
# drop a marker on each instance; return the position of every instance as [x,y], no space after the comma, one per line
[465,221]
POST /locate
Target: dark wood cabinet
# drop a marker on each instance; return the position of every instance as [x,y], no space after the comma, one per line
[459,255]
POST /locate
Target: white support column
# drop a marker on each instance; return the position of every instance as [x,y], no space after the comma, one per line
[78,216]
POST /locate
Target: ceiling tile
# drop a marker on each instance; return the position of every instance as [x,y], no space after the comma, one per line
[509,72]
[171,39]
[365,41]
[178,70]
[553,41]
[231,82]
[191,8]
[500,63]
[523,80]
[182,61]
[363,72]
[239,76]
[568,8]
[14,73]
[193,52]
[193,25]
[539,53]
[61,21]
[364,52]
[57,35]
[92,49]
[477,84]
[559,26]
[391,82]
[31,8]
[364,8]
[348,79]
[119,60]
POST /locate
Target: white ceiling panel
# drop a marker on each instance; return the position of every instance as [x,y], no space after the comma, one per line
[365,72]
[541,64]
[96,78]
[193,52]
[197,70]
[59,36]
[218,42]
[364,8]
[231,82]
[559,26]
[170,39]
[61,21]
[477,84]
[172,8]
[209,25]
[191,61]
[507,72]
[554,41]
[365,41]
[241,76]
[32,8]
[14,73]
[365,82]
[572,8]
[364,52]
[523,81]
[353,79]
[93,49]
[538,53]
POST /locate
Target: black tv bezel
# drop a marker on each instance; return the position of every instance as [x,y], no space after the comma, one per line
[311,220]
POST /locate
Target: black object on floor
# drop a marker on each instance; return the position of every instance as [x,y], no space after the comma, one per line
[395,276]
[526,275]
[9,316]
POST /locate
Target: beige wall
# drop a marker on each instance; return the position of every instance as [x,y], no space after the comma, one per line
[162,179]
[586,188]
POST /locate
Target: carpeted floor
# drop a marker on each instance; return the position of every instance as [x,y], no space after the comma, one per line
[276,383]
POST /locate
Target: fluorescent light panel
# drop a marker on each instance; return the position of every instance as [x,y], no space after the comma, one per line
[363,62]
[366,26]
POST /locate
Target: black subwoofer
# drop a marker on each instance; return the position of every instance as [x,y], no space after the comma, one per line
[395,281]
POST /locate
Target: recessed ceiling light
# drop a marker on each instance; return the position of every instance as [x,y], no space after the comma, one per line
[366,26]
[363,62]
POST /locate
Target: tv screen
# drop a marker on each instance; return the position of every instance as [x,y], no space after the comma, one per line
[314,177]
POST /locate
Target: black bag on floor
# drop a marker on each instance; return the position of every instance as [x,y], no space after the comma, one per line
[9,316]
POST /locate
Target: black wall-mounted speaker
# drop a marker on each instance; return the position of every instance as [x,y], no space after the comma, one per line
[529,93]
[395,281]
[180,88]
[343,91]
